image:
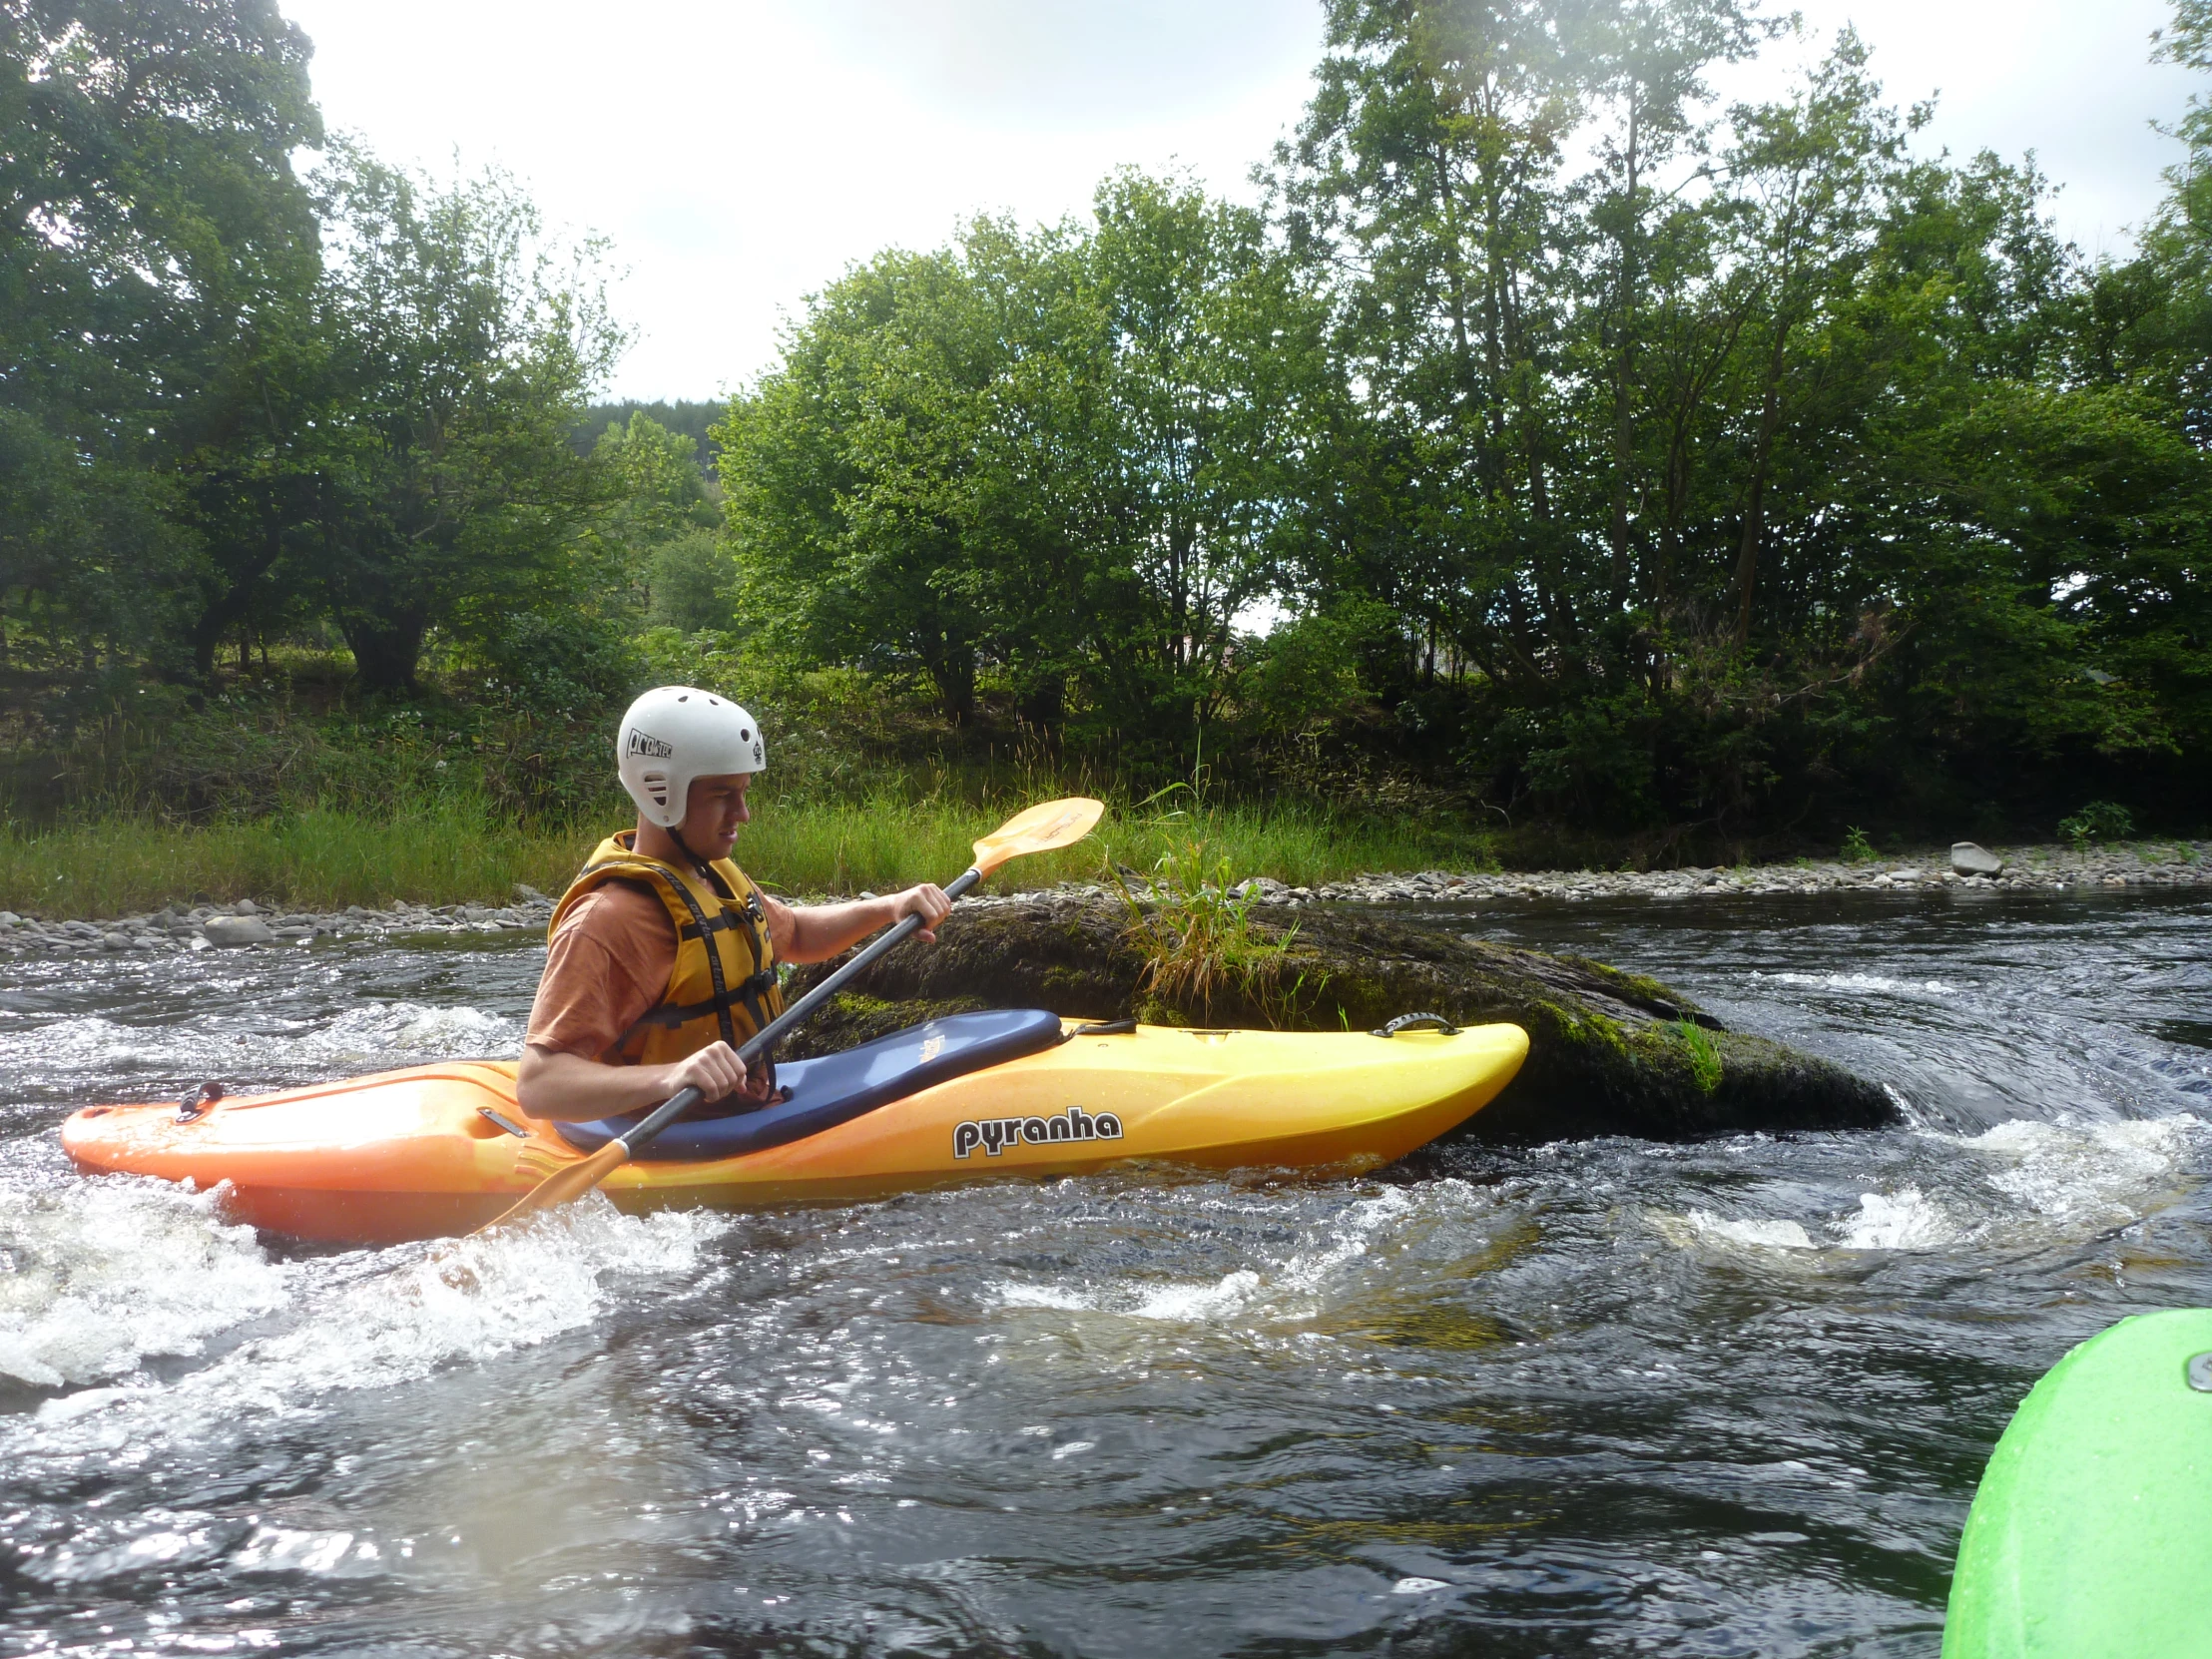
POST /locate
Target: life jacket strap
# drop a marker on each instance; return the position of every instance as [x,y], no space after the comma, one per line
[744,994]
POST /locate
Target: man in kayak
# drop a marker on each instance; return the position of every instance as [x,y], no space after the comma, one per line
[661,954]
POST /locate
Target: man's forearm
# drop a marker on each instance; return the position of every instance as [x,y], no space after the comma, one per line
[572,1089]
[820,932]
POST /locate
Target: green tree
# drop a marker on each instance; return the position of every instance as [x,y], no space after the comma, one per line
[660,523]
[464,351]
[156,252]
[1216,383]
[842,468]
[1071,459]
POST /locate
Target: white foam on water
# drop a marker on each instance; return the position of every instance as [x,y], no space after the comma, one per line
[90,1043]
[366,1037]
[1879,983]
[1007,1294]
[1905,1220]
[2098,1173]
[399,1031]
[1749,1232]
[104,1273]
[367,1321]
[1233,1294]
[1175,1303]
[1293,1289]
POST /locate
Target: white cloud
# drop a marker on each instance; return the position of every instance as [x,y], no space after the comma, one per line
[741,152]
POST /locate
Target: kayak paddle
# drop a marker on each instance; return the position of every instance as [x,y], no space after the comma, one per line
[1042,829]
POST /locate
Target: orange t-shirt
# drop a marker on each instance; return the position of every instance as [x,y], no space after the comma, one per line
[606,965]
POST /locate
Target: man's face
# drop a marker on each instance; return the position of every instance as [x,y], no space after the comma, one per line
[713,809]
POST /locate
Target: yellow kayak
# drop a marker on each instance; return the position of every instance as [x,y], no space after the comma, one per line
[443,1149]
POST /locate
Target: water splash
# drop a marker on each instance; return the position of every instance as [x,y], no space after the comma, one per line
[1905,1220]
[370,1320]
[1704,1227]
[2098,1173]
[103,1274]
[1327,1267]
[398,1034]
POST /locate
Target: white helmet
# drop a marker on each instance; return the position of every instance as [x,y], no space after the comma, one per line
[673,733]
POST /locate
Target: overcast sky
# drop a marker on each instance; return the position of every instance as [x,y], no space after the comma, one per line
[741,152]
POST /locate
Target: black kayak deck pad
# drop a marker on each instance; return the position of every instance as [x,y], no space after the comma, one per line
[836,1088]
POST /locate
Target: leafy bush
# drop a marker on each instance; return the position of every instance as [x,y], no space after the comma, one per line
[1301,676]
[573,663]
[690,578]
[1857,849]
[2100,821]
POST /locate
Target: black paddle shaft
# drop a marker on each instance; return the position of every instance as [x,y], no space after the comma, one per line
[756,1044]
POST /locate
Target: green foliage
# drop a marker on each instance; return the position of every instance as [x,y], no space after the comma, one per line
[659,488]
[574,664]
[1300,678]
[1194,930]
[692,420]
[1541,451]
[1857,849]
[2100,821]
[328,818]
[465,352]
[1074,455]
[319,860]
[157,254]
[689,578]
[1703,1053]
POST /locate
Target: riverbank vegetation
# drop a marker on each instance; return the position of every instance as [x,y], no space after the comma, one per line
[464,850]
[1552,467]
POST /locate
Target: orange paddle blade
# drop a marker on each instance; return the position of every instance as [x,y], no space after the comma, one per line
[564,1184]
[1041,828]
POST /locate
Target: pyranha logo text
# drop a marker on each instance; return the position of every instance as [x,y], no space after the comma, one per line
[996,1135]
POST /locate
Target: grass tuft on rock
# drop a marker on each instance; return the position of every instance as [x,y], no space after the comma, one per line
[1194,930]
[1704,1054]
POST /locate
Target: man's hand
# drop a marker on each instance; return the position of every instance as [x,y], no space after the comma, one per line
[715,1072]
[927,902]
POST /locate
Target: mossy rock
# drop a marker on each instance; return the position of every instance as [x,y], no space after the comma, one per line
[1609,1053]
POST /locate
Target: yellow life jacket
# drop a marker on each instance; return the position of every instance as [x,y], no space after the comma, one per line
[724,983]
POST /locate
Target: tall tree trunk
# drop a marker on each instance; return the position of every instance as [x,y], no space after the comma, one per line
[229,608]
[953,673]
[387,649]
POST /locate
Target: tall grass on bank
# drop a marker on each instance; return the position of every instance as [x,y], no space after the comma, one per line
[454,853]
[312,861]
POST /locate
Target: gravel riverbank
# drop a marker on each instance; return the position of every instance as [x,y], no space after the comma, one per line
[2022,869]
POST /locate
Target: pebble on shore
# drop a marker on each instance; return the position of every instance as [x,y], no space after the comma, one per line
[2021,869]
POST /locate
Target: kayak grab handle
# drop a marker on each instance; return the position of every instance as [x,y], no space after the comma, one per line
[1106,1028]
[197,1100]
[1410,1023]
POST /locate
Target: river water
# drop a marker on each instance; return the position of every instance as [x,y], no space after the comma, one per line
[1599,1397]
